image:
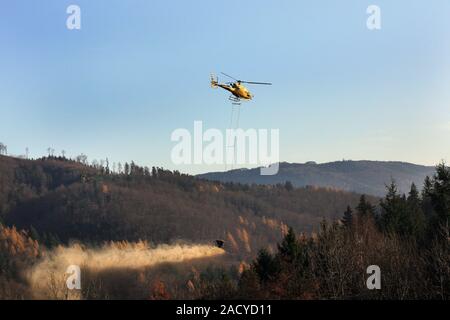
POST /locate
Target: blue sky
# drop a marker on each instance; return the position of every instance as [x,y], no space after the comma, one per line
[139,69]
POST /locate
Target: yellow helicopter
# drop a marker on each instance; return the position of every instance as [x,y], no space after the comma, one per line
[238,91]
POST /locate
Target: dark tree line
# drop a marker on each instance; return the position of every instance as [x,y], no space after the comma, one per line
[407,237]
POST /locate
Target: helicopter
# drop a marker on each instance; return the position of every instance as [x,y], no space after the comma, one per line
[238,91]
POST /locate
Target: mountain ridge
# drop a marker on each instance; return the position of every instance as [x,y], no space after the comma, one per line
[361,176]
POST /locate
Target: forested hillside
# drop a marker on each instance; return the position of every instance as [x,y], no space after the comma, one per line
[61,200]
[408,240]
[57,212]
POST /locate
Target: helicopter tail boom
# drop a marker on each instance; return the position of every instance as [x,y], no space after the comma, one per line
[214,81]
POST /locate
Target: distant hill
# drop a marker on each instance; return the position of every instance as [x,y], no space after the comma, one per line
[366,177]
[63,200]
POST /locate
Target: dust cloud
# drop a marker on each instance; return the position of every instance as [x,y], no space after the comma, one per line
[48,277]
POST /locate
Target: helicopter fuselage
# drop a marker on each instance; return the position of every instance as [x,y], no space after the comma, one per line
[237,89]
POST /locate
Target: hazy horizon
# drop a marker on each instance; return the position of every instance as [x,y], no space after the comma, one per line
[134,73]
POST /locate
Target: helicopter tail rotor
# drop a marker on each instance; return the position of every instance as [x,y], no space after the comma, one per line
[214,81]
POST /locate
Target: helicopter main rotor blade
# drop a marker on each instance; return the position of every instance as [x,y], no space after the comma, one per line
[229,76]
[249,82]
[252,82]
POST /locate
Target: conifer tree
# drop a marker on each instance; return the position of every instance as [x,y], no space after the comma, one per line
[438,192]
[347,219]
[365,208]
[289,249]
[265,266]
[414,222]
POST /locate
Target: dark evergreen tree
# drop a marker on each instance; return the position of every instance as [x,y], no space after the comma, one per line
[288,185]
[439,195]
[393,208]
[289,249]
[365,208]
[414,222]
[347,219]
[427,206]
[266,266]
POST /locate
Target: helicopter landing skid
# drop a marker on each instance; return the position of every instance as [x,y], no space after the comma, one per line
[234,100]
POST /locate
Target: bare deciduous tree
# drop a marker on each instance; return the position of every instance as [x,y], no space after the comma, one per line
[3,149]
